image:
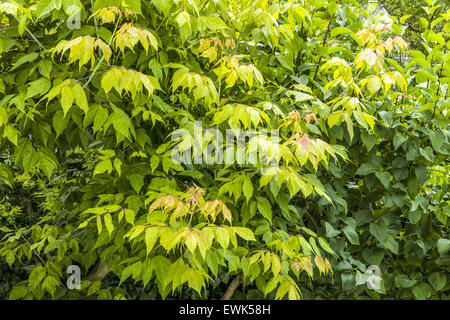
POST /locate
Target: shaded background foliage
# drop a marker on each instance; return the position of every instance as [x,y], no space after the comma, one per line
[311,68]
[416,15]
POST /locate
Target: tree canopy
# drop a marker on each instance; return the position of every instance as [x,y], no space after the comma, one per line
[98,97]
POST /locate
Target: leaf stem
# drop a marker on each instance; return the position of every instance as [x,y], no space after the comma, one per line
[32,35]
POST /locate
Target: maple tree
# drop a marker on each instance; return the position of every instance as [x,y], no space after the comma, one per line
[91,114]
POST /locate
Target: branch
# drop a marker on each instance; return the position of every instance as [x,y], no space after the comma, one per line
[235,283]
[100,271]
[32,35]
[440,172]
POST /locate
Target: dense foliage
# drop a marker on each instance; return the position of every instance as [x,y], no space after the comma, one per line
[417,9]
[415,15]
[94,96]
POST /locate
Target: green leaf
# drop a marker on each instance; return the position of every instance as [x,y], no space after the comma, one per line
[25,154]
[137,182]
[50,284]
[367,168]
[59,122]
[18,292]
[286,61]
[443,246]
[118,166]
[24,59]
[374,84]
[210,23]
[108,223]
[330,231]
[129,215]
[154,162]
[122,124]
[402,281]
[437,280]
[45,7]
[94,287]
[437,139]
[271,285]
[67,99]
[45,67]
[265,208]
[151,235]
[5,175]
[3,116]
[386,117]
[183,20]
[245,233]
[101,115]
[352,236]
[334,118]
[384,178]
[99,224]
[127,272]
[247,188]
[80,97]
[381,232]
[36,276]
[11,133]
[98,4]
[399,139]
[423,291]
[276,264]
[325,246]
[223,237]
[368,139]
[38,87]
[47,161]
[103,166]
